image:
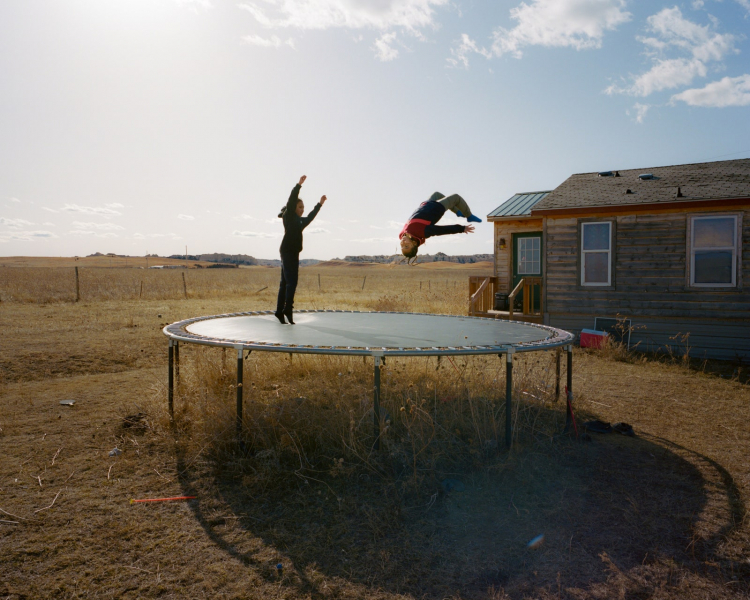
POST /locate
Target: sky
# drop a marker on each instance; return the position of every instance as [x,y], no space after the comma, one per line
[152,126]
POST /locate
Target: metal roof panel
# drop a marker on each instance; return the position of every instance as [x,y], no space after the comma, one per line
[518,205]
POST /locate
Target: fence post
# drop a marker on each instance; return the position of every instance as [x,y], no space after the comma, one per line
[318,281]
[140,295]
[363,282]
[184,285]
[78,288]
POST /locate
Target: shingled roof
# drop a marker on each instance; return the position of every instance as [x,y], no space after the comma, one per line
[727,179]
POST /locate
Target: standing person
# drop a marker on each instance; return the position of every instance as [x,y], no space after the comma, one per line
[290,248]
[421,224]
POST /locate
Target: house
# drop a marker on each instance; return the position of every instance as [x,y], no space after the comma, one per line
[667,248]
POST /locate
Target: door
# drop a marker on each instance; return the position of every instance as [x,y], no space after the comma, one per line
[527,262]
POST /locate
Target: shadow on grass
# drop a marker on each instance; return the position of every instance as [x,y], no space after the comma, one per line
[613,503]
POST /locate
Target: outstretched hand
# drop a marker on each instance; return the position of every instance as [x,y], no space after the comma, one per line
[323,200]
[468,228]
[302,179]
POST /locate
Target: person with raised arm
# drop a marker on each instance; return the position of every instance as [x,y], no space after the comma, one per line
[291,246]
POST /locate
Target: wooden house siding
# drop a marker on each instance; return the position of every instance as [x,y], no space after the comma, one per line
[503,256]
[650,284]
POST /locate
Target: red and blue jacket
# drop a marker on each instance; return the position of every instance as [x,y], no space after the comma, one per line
[421,224]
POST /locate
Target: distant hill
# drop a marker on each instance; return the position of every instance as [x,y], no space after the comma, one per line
[422,258]
[241,259]
[245,259]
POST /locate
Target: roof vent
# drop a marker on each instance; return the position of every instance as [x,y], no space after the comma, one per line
[628,191]
[617,174]
[606,174]
[679,193]
[646,176]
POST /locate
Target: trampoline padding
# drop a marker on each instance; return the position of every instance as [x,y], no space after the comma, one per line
[370,330]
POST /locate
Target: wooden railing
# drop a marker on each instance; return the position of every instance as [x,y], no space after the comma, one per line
[528,285]
[481,295]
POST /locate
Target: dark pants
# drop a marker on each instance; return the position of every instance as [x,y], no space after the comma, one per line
[288,285]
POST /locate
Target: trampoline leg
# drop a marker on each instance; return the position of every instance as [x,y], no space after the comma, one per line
[239,394]
[569,394]
[557,376]
[170,385]
[508,398]
[376,402]
[177,364]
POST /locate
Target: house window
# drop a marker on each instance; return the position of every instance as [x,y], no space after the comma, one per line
[713,251]
[596,253]
[529,258]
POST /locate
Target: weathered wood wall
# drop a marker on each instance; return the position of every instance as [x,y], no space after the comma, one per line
[503,256]
[650,273]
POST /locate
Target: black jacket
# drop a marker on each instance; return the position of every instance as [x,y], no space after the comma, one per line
[293,224]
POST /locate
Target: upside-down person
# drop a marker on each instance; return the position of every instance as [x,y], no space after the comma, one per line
[290,248]
[421,225]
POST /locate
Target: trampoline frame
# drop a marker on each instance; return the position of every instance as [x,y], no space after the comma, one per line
[177,333]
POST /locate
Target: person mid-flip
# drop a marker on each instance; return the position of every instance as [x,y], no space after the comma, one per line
[290,248]
[421,224]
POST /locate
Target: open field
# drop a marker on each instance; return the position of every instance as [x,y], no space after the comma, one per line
[660,515]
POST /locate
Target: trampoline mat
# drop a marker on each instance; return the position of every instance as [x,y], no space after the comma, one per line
[370,330]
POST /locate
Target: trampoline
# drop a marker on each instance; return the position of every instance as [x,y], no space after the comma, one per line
[375,334]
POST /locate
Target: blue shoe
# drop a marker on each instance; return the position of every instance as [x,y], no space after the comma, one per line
[474,219]
[459,214]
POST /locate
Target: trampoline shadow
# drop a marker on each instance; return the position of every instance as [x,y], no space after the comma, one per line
[615,501]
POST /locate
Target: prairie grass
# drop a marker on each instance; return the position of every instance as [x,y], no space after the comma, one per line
[373,287]
[310,415]
[659,515]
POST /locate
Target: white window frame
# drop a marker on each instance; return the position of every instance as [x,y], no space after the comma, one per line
[734,249]
[585,252]
[518,255]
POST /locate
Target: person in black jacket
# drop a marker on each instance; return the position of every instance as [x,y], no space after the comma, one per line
[290,248]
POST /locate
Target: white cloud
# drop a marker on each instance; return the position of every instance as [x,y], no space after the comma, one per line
[381,15]
[14,199]
[640,111]
[578,24]
[351,14]
[729,91]
[114,205]
[52,210]
[744,4]
[673,32]
[91,210]
[383,49]
[390,225]
[14,223]
[195,5]
[25,236]
[254,234]
[463,49]
[317,230]
[93,233]
[139,236]
[272,42]
[186,217]
[97,226]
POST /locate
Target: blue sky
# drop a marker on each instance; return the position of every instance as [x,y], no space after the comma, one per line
[135,126]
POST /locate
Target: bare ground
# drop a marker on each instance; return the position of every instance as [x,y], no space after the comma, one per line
[661,515]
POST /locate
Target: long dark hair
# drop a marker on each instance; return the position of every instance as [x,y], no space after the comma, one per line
[283,208]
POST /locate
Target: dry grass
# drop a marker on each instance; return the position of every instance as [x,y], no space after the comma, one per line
[660,515]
